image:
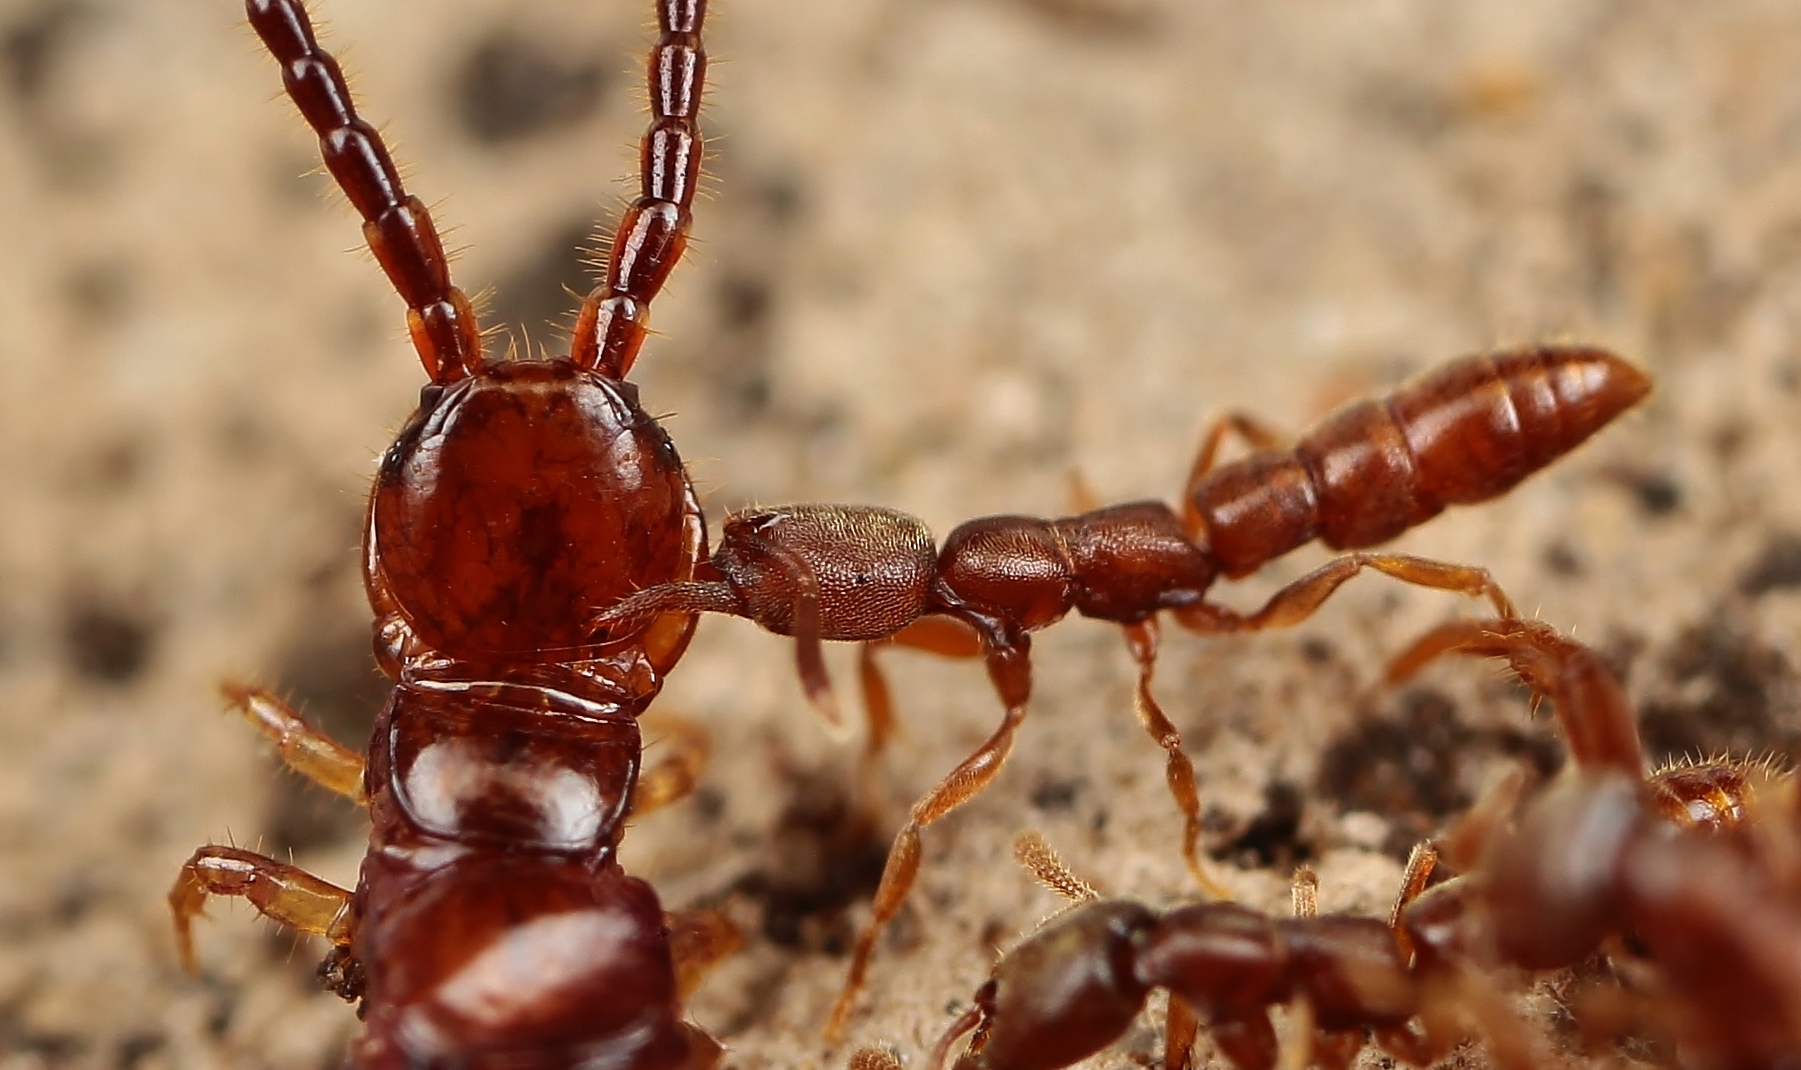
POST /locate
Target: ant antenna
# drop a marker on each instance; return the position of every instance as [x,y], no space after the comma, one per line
[1030,851]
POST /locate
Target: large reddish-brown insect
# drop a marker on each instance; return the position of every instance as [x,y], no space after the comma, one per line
[492,924]
[536,556]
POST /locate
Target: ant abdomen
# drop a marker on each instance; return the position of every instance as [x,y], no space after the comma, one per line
[1466,433]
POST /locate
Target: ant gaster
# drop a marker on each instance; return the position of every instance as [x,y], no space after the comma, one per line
[492,925]
[1465,433]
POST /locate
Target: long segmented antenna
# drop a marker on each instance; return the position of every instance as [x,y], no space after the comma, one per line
[653,232]
[395,224]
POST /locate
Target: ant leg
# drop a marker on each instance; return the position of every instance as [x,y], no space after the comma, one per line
[1082,498]
[1476,1001]
[946,637]
[965,782]
[286,895]
[395,224]
[1296,1039]
[1421,861]
[305,749]
[1181,1028]
[1249,1043]
[718,596]
[704,1053]
[699,940]
[1336,1050]
[1406,1046]
[878,712]
[1298,601]
[673,777]
[1597,718]
[638,609]
[1469,837]
[1178,770]
[1256,434]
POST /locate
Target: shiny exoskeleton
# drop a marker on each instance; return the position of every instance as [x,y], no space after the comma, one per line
[491,925]
[1465,433]
[1075,986]
[1685,861]
[1695,865]
[526,501]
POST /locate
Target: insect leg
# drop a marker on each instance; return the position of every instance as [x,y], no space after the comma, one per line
[965,782]
[306,750]
[1178,770]
[286,895]
[1298,601]
[685,749]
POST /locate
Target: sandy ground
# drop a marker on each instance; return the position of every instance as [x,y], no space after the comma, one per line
[958,249]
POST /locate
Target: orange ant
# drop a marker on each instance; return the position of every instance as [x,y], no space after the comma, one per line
[1466,433]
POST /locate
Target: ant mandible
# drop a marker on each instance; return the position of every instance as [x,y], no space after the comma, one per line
[491,925]
[1466,433]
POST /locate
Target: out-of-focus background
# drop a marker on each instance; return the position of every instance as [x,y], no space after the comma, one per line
[956,251]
